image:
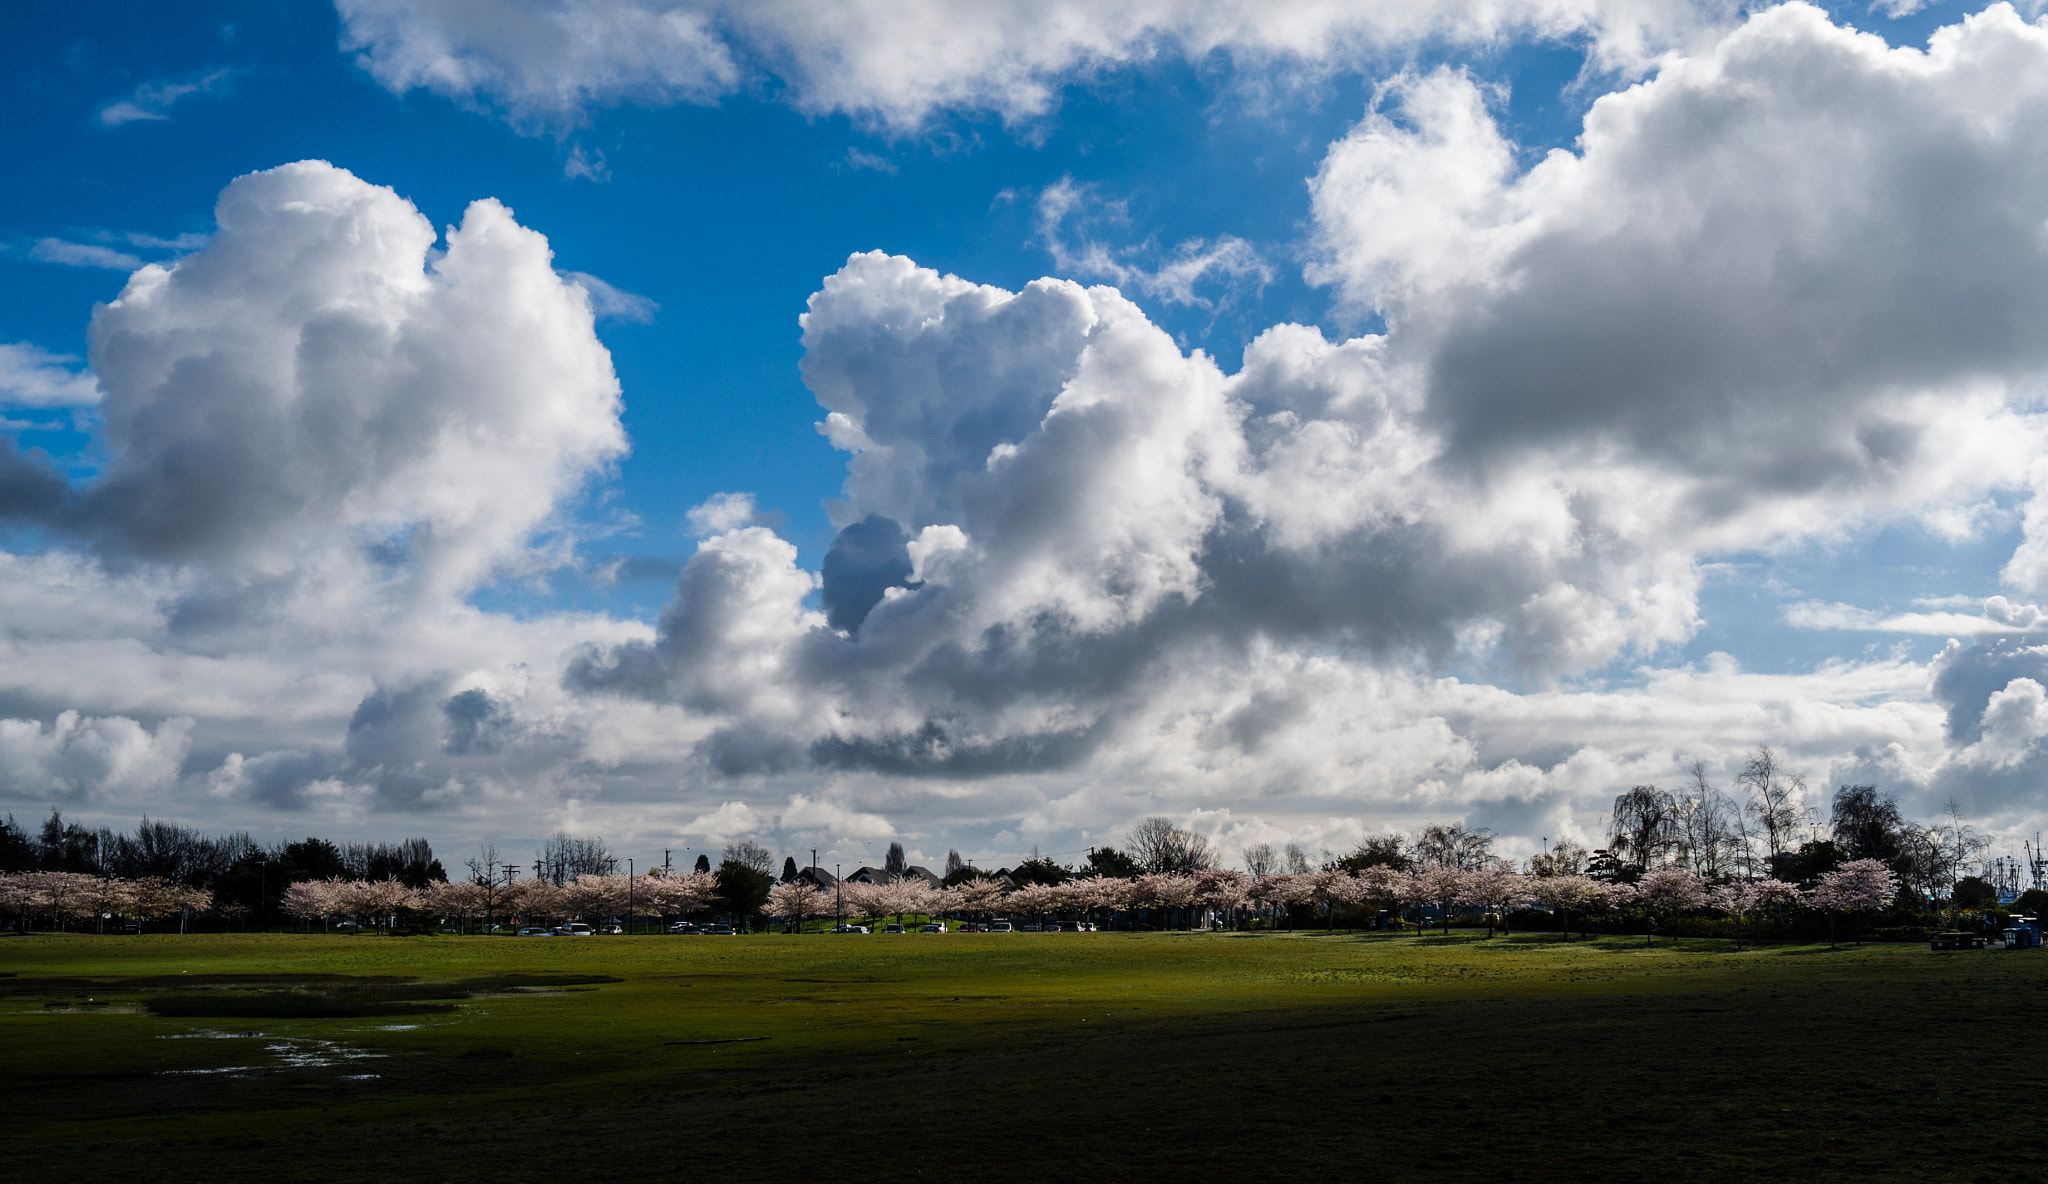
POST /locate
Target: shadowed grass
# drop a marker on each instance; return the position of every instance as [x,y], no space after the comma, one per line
[1140,1057]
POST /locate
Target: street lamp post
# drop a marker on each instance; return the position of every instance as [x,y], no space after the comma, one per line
[629,896]
[838,910]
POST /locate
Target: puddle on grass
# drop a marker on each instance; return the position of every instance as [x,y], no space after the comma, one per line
[317,1054]
[289,1054]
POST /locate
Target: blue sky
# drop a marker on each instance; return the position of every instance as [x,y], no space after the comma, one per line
[719,212]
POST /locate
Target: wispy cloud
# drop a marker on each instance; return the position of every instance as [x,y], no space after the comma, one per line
[613,304]
[855,158]
[1067,214]
[154,100]
[1996,615]
[70,254]
[31,376]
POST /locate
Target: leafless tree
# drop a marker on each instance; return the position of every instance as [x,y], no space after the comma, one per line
[564,857]
[492,878]
[1774,801]
[1261,860]
[1385,850]
[1453,845]
[1707,834]
[1295,860]
[1958,844]
[753,855]
[1564,858]
[1160,846]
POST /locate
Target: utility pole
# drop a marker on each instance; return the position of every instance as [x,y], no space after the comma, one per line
[664,861]
[629,896]
[838,909]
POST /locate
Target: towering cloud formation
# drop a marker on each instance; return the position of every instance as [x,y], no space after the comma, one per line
[1738,317]
[322,433]
[308,388]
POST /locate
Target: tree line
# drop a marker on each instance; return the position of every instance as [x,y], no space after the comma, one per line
[1747,853]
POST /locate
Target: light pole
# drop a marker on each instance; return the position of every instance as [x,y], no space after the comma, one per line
[838,910]
[629,896]
[263,888]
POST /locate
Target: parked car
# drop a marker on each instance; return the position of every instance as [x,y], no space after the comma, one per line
[972,927]
[573,929]
[719,931]
[849,929]
[536,931]
[683,927]
[614,927]
[1027,928]
[894,929]
[1000,927]
[932,927]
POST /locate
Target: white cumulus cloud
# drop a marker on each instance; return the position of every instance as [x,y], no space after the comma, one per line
[895,64]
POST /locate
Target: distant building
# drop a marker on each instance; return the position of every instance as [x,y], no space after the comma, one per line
[817,878]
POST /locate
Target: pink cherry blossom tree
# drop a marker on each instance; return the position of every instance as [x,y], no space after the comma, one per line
[1035,900]
[1667,893]
[1383,888]
[980,897]
[306,900]
[1443,887]
[1222,890]
[1741,898]
[1495,887]
[678,895]
[796,901]
[1565,895]
[1329,890]
[1853,888]
[462,901]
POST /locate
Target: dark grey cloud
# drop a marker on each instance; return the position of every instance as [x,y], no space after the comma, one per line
[1965,678]
[31,489]
[867,559]
[933,750]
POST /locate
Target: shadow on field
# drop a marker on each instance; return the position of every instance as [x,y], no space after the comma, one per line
[1797,1068]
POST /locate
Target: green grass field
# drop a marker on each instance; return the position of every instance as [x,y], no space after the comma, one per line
[1099,1056]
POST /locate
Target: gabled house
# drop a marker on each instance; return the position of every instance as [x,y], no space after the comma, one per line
[816,877]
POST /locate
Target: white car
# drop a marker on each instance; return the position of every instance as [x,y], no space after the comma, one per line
[1002,927]
[849,929]
[573,929]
